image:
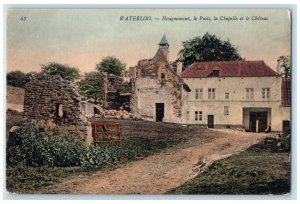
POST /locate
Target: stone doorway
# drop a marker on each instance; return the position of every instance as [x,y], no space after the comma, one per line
[160,111]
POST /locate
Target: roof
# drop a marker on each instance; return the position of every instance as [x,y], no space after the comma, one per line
[286,92]
[164,41]
[239,68]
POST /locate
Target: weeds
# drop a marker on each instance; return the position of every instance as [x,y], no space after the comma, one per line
[36,160]
[263,169]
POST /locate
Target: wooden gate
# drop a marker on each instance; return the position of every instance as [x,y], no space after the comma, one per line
[106,131]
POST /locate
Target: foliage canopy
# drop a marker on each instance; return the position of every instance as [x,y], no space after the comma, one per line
[111,65]
[65,71]
[207,48]
[92,86]
[17,78]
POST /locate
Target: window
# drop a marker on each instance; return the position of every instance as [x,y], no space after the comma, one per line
[226,95]
[198,115]
[211,93]
[215,73]
[59,113]
[198,93]
[188,115]
[250,93]
[174,66]
[163,76]
[265,93]
[226,110]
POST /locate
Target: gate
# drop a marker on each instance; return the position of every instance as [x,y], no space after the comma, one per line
[106,131]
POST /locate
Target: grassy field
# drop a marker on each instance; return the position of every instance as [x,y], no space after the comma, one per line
[259,170]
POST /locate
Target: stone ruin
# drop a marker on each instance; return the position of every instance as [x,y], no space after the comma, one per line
[154,92]
[117,92]
[158,92]
[53,103]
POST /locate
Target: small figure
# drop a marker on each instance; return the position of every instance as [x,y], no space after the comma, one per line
[268,129]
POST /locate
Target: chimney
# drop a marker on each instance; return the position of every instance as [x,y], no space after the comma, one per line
[279,64]
[178,67]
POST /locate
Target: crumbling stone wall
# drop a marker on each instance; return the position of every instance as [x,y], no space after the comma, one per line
[156,82]
[53,103]
[118,92]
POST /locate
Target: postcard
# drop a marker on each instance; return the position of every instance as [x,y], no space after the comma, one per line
[148,101]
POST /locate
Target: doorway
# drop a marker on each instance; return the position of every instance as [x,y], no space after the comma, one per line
[258,121]
[160,111]
[210,121]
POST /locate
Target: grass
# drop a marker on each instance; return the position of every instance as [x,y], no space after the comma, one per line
[23,179]
[259,170]
[27,180]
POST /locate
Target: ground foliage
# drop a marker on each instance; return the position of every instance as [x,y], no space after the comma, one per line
[35,159]
[263,169]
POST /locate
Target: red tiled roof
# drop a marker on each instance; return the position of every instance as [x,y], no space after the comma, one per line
[286,92]
[238,68]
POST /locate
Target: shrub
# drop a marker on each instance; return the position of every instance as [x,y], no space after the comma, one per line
[106,154]
[17,78]
[269,144]
[30,147]
[133,148]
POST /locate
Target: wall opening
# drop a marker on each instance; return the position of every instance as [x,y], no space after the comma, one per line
[59,113]
[210,121]
[286,126]
[160,111]
[258,121]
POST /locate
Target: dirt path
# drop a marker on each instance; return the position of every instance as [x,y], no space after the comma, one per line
[159,173]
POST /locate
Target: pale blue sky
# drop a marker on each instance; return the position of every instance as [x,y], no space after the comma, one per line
[82,37]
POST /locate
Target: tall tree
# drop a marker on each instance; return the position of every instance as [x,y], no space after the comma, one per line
[17,78]
[92,86]
[285,63]
[207,48]
[65,71]
[111,65]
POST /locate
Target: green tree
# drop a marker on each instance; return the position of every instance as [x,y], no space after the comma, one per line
[65,71]
[207,48]
[285,62]
[17,78]
[92,86]
[111,65]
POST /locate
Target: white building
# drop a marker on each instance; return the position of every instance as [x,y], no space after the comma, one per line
[245,94]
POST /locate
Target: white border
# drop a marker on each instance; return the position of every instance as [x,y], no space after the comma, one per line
[159,4]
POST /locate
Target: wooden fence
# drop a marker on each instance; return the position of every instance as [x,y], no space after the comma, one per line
[106,131]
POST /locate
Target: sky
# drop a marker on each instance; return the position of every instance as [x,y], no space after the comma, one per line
[83,37]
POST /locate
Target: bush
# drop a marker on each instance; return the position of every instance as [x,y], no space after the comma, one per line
[269,144]
[17,78]
[30,147]
[106,154]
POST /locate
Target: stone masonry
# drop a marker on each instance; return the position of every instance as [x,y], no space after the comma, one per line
[154,84]
[53,103]
[117,92]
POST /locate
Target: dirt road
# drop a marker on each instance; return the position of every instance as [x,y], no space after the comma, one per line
[159,173]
